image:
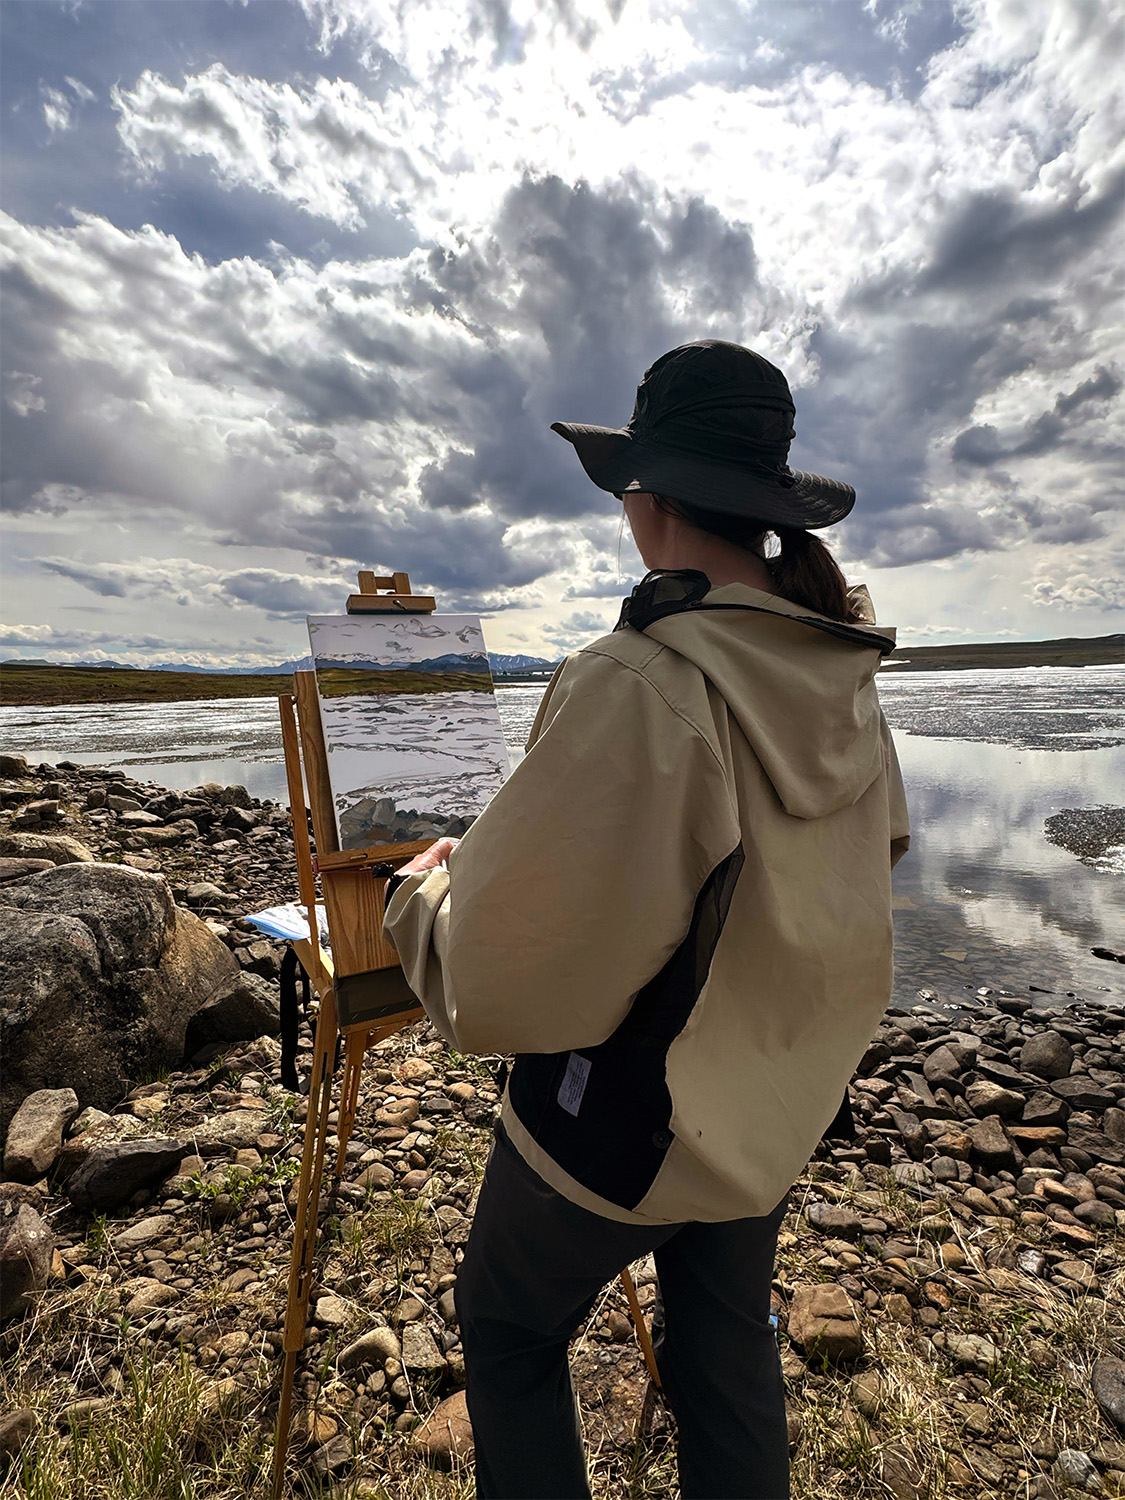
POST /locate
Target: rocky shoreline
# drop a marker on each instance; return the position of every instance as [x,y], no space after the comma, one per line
[378,820]
[948,1289]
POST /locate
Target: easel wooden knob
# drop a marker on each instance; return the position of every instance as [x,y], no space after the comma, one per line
[388,596]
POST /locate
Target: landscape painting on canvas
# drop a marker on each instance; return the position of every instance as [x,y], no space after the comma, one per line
[415,748]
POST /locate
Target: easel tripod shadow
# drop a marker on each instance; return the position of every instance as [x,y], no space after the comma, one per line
[363,994]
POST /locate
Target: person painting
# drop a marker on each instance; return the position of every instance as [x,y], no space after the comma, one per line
[677,915]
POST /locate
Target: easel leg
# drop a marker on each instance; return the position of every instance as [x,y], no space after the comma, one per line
[643,1337]
[355,1047]
[304,1224]
[284,1421]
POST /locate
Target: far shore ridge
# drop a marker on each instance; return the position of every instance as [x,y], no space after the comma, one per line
[47,682]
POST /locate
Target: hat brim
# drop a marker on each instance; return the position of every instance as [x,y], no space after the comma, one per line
[618,462]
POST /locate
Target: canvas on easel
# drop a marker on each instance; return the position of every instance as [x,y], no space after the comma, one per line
[410,722]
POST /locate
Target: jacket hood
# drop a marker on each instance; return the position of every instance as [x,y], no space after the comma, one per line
[801,688]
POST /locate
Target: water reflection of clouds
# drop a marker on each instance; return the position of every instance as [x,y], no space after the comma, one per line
[120,732]
[980,862]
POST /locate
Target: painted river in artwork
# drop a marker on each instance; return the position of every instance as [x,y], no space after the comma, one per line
[983,897]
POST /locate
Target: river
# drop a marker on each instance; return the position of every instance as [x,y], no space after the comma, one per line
[983,898]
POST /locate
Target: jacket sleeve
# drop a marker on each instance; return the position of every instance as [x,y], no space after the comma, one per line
[896,797]
[579,880]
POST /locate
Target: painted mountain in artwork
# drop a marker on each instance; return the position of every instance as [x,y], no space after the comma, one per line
[363,676]
[467,661]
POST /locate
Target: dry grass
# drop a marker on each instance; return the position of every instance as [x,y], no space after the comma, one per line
[167,1432]
[171,1432]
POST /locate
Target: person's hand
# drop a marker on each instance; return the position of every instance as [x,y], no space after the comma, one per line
[429,859]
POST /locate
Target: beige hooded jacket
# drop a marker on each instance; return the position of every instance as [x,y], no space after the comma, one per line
[677,911]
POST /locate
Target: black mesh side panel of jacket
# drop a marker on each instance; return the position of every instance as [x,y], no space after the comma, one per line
[616,1140]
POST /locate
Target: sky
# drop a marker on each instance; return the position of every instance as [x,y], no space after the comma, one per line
[295,287]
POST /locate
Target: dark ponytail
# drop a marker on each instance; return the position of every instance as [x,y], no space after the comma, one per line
[804,571]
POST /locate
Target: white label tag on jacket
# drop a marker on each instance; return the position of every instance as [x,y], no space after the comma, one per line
[573,1085]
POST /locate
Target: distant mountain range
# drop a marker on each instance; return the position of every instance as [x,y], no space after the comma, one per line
[459,661]
[518,663]
[452,661]
[497,661]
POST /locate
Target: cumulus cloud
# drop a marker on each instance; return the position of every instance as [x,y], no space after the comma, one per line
[324,147]
[393,413]
[577,630]
[1083,580]
[984,446]
[608,587]
[281,596]
[59,104]
[64,644]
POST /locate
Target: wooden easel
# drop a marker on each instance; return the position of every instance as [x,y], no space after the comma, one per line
[363,994]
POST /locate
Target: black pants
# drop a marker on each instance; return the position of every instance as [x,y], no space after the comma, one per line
[534,1266]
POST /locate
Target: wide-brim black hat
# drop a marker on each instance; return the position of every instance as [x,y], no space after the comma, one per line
[712,427]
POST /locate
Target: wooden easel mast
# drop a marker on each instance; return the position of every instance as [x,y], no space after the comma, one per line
[363,994]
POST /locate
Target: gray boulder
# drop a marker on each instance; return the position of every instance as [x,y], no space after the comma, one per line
[371,1348]
[243,1008]
[942,1068]
[103,973]
[420,1354]
[1080,1093]
[36,1133]
[1074,1469]
[971,1351]
[1047,1054]
[1107,1380]
[987,1098]
[16,1427]
[59,848]
[94,1127]
[833,1219]
[822,1319]
[446,1435]
[39,810]
[128,912]
[27,1248]
[991,1143]
[111,1174]
[235,1130]
[15,869]
[144,1232]
[205,893]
